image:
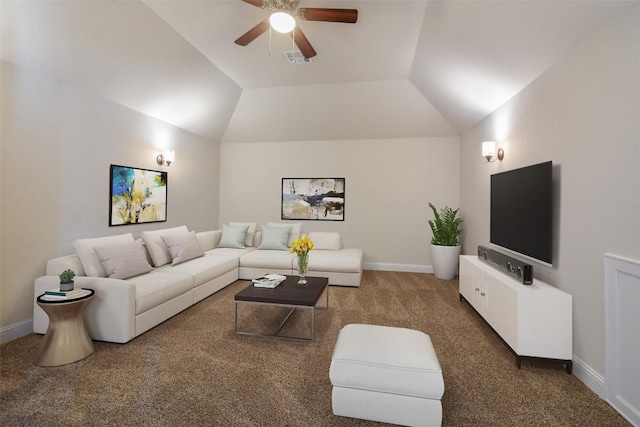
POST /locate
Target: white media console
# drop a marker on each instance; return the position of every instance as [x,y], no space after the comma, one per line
[535,320]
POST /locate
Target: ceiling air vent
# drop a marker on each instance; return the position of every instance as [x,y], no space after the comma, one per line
[296,57]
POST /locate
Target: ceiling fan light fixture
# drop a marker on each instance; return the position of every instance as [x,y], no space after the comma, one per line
[282,22]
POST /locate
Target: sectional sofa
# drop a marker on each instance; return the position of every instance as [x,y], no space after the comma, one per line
[141,283]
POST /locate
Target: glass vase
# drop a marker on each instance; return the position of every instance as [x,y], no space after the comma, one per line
[303,263]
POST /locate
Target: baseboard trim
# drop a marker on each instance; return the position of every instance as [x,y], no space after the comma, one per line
[407,268]
[16,330]
[589,377]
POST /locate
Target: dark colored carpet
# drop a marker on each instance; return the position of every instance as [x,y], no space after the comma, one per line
[193,370]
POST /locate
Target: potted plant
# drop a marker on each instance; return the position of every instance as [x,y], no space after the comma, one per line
[66,280]
[445,247]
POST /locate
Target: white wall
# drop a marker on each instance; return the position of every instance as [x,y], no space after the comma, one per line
[57,145]
[584,115]
[388,185]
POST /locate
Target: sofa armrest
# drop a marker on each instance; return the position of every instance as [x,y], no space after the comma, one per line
[56,266]
[209,239]
[109,316]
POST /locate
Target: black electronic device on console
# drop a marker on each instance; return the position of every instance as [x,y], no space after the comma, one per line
[512,267]
[521,208]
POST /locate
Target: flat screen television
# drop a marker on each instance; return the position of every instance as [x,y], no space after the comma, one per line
[522,211]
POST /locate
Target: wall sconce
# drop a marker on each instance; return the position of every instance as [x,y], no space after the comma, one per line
[166,158]
[490,149]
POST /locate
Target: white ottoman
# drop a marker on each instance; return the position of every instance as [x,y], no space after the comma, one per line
[386,374]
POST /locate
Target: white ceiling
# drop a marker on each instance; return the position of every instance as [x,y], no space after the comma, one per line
[380,46]
[405,69]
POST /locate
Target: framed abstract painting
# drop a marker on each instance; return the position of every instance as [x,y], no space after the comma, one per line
[320,199]
[137,196]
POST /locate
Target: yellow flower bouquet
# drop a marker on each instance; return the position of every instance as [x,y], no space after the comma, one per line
[301,247]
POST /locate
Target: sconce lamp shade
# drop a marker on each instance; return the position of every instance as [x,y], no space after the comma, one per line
[490,150]
[282,22]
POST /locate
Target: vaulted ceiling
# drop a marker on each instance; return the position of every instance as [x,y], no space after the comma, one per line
[405,69]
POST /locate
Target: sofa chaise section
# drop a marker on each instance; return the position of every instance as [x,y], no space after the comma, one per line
[343,266]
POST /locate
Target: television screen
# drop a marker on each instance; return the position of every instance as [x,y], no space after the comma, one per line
[521,211]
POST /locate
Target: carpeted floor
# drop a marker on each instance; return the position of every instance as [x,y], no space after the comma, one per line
[193,370]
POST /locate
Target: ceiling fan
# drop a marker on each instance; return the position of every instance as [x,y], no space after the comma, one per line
[285,11]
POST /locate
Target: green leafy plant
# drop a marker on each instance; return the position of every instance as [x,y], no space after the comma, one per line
[445,227]
[67,276]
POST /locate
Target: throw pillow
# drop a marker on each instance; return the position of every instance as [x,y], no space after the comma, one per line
[233,237]
[157,249]
[208,239]
[183,247]
[88,257]
[248,241]
[275,238]
[123,260]
[296,229]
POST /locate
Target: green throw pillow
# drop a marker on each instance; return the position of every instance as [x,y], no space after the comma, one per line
[275,238]
[233,237]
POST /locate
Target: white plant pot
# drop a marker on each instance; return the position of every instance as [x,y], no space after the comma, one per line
[444,260]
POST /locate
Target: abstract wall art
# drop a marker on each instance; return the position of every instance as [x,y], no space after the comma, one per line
[137,196]
[320,199]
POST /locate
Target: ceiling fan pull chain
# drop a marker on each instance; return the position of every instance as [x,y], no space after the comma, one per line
[269,41]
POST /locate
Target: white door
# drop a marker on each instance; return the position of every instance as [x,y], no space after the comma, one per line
[622,317]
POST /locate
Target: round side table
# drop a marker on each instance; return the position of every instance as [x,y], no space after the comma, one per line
[67,339]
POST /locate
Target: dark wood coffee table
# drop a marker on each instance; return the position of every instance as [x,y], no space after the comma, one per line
[287,294]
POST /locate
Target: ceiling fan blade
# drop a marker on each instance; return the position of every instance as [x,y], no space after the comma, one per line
[256,3]
[253,33]
[303,43]
[349,16]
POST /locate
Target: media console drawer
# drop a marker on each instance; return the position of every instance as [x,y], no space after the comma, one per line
[534,320]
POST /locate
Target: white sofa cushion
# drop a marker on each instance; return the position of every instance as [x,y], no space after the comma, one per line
[204,269]
[182,247]
[123,260]
[237,253]
[275,238]
[326,240]
[296,229]
[343,261]
[248,241]
[386,359]
[156,288]
[279,260]
[155,246]
[90,262]
[233,237]
[208,239]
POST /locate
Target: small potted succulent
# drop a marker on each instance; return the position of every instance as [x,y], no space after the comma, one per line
[66,280]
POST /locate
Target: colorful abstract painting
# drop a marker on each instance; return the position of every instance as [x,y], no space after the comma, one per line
[320,199]
[137,196]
